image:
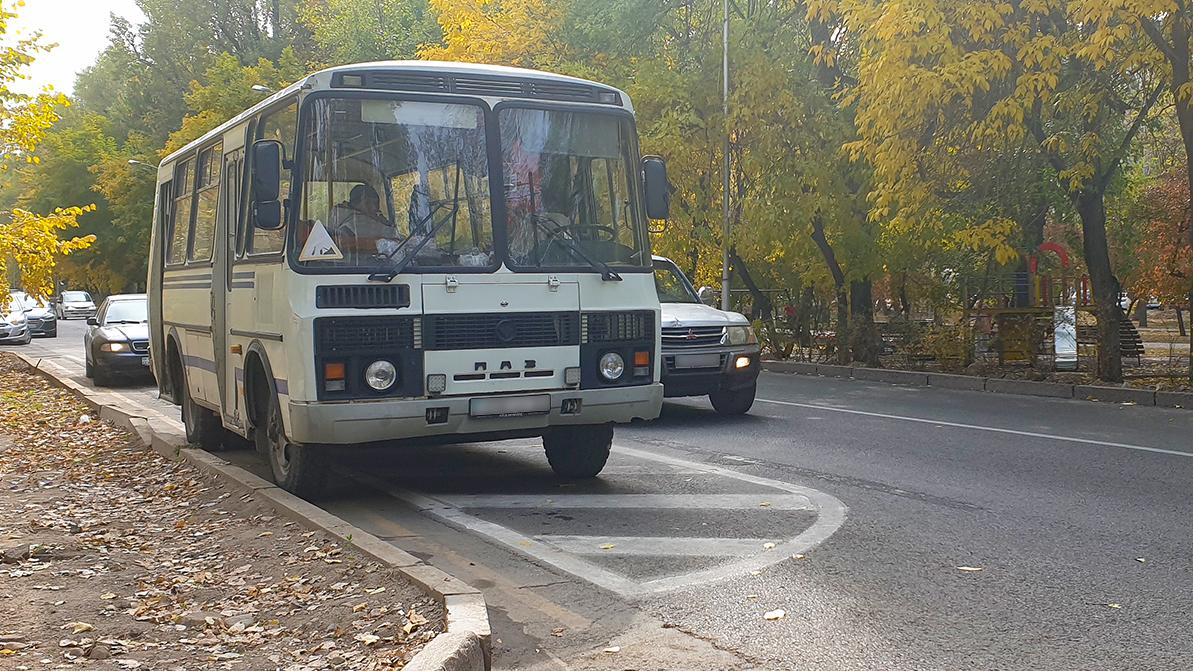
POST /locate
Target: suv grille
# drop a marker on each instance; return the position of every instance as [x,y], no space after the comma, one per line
[683,337]
[368,334]
[607,327]
[488,331]
[363,296]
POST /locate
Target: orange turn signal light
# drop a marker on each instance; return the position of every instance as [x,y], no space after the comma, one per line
[333,371]
[641,358]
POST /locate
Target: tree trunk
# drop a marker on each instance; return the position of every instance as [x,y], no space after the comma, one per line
[762,308]
[1091,206]
[1141,313]
[904,302]
[830,260]
[864,341]
[1178,316]
[1180,319]
[805,316]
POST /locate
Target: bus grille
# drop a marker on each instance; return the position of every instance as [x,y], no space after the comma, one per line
[366,334]
[497,331]
[363,296]
[695,336]
[609,327]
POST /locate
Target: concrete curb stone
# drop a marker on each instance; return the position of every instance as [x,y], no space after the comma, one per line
[464,646]
[909,377]
[796,367]
[959,382]
[834,371]
[1029,388]
[1115,394]
[1174,399]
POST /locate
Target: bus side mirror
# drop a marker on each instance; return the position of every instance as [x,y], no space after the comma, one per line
[658,191]
[267,184]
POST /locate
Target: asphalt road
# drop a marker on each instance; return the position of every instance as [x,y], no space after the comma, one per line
[1076,513]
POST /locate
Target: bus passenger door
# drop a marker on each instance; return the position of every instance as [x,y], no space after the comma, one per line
[222,284]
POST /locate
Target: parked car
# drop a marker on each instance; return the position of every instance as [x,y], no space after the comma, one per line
[40,318]
[705,350]
[14,325]
[71,304]
[116,343]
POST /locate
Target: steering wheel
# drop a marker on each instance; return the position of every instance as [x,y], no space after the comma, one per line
[585,232]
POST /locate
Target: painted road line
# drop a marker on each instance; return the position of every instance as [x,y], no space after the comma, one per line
[830,515]
[655,501]
[978,427]
[658,546]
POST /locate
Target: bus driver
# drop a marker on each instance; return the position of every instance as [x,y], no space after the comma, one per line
[359,223]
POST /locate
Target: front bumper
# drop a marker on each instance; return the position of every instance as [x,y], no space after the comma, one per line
[71,313]
[43,327]
[355,422]
[12,334]
[122,363]
[702,381]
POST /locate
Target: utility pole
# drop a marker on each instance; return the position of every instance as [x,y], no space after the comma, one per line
[725,168]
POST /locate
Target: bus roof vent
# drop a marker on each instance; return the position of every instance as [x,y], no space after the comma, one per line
[487,86]
[407,81]
[363,296]
[563,91]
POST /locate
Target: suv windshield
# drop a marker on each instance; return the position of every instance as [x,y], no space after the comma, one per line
[76,296]
[127,312]
[394,183]
[671,284]
[568,189]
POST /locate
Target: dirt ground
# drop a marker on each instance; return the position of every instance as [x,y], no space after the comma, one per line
[113,557]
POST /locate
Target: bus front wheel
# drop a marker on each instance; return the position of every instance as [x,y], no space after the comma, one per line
[578,452]
[299,469]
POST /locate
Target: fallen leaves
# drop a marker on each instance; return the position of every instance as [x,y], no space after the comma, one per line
[79,627]
[608,546]
[612,650]
[773,615]
[969,569]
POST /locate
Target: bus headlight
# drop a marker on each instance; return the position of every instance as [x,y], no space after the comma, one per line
[612,366]
[381,375]
[740,335]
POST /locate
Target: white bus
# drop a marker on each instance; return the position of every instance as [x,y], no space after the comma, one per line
[410,250]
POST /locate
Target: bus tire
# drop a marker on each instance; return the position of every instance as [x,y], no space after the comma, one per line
[203,427]
[578,452]
[734,402]
[298,469]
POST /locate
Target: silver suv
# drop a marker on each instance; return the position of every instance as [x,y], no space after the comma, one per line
[705,350]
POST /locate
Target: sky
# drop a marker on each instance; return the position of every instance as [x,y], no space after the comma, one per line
[79,27]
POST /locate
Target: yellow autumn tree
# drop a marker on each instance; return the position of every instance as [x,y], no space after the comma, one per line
[506,32]
[29,243]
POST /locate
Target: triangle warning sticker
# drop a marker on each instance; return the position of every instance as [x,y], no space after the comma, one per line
[319,246]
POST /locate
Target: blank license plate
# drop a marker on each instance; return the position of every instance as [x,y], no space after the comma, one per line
[510,406]
[144,361]
[697,360]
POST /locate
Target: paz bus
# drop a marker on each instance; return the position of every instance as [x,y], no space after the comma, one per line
[410,251]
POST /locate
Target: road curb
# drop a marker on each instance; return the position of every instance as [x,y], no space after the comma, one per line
[1144,397]
[466,643]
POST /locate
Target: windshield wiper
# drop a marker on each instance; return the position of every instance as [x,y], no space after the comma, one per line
[607,273]
[388,274]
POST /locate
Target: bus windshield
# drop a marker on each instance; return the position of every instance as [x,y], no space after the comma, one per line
[394,184]
[569,190]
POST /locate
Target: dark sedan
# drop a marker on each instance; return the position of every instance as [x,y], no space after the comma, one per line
[117,340]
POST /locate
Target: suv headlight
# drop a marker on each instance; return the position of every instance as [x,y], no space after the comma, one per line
[740,335]
[16,320]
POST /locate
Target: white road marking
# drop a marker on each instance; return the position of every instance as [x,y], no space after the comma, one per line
[654,501]
[657,546]
[978,427]
[830,515]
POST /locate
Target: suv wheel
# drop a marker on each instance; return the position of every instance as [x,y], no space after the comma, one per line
[734,402]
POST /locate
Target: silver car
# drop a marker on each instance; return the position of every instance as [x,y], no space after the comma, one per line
[14,322]
[72,304]
[705,350]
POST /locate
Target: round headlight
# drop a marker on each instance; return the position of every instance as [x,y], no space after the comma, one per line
[381,375]
[612,366]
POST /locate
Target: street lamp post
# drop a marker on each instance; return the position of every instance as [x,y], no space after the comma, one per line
[141,164]
[725,168]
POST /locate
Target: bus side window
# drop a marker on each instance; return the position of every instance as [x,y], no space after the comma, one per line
[280,125]
[207,178]
[180,220]
[165,204]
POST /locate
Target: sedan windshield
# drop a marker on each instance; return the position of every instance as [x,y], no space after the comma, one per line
[568,189]
[127,312]
[394,184]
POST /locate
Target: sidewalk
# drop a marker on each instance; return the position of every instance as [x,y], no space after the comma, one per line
[110,552]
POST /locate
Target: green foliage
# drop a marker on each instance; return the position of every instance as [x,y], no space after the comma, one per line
[353,31]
